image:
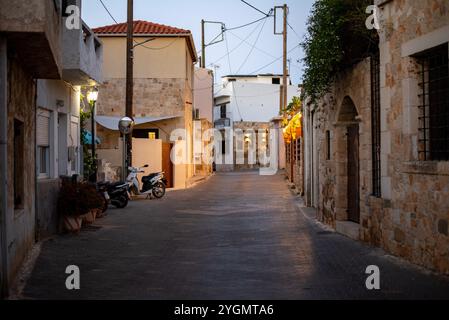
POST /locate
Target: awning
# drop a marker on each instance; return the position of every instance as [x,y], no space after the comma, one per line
[111,123]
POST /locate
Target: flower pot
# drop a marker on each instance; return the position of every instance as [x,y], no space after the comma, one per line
[72,224]
[89,217]
[100,214]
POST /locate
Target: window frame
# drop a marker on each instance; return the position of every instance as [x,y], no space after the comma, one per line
[431,114]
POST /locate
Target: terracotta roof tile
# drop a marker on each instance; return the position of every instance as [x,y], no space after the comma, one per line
[140,27]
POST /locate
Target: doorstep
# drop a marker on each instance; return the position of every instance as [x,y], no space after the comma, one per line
[348,229]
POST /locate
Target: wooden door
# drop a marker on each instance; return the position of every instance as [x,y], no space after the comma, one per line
[353,174]
[167,164]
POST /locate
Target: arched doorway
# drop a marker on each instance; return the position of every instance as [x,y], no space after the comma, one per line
[348,117]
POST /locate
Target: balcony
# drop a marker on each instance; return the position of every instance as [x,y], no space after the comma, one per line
[82,56]
[33,29]
[222,123]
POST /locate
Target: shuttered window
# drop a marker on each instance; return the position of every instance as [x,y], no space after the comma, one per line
[43,128]
[43,143]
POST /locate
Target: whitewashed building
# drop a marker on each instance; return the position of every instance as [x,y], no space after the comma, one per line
[248,103]
[58,147]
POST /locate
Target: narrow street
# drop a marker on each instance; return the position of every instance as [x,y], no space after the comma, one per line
[235,236]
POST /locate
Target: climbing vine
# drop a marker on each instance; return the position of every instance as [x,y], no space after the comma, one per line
[89,160]
[336,38]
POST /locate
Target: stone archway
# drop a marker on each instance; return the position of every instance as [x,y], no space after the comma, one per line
[348,157]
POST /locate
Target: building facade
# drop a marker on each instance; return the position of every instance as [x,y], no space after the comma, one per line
[30,48]
[58,148]
[248,104]
[377,150]
[164,60]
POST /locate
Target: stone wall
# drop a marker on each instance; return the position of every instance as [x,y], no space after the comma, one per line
[414,222]
[20,220]
[333,113]
[411,218]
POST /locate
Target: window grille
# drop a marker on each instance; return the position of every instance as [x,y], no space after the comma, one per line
[375,124]
[434,108]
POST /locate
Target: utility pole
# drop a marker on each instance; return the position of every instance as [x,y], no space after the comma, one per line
[129,77]
[203,45]
[284,81]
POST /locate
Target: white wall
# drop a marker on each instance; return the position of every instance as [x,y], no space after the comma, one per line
[256,102]
[203,92]
[49,92]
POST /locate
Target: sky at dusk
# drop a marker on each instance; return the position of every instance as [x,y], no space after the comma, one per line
[233,13]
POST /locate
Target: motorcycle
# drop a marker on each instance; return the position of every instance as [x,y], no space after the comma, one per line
[154,183]
[115,193]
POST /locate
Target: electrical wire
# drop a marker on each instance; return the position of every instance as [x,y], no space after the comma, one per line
[250,5]
[227,53]
[252,48]
[107,10]
[274,61]
[238,46]
[247,24]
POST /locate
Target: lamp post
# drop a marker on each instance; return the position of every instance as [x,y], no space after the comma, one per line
[92,97]
[125,126]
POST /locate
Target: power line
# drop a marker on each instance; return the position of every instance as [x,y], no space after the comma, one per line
[236,47]
[107,10]
[274,61]
[247,24]
[248,4]
[228,55]
[252,48]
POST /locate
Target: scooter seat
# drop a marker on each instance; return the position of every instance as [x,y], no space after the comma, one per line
[149,177]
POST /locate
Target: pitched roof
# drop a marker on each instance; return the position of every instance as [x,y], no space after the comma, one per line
[141,28]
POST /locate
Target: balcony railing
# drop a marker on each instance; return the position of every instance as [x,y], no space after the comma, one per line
[222,123]
[82,56]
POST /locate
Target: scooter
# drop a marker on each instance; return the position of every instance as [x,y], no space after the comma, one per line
[117,193]
[154,183]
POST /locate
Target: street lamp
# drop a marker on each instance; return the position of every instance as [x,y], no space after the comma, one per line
[125,126]
[92,97]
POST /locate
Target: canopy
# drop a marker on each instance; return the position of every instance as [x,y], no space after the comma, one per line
[111,123]
[293,130]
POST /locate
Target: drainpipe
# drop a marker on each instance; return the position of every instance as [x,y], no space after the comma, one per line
[3,167]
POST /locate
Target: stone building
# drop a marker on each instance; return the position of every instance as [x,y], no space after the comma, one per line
[164,60]
[30,48]
[376,156]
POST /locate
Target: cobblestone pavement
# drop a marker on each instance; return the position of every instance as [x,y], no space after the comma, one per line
[236,236]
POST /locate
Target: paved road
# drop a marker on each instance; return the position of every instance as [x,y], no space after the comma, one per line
[236,236]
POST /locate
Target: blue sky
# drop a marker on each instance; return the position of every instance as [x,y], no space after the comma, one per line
[188,15]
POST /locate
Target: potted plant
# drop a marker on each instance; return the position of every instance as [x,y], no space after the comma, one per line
[69,206]
[91,203]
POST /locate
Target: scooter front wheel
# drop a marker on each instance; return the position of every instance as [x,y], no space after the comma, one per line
[122,202]
[159,190]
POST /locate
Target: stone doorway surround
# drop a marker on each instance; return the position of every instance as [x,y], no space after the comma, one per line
[347,116]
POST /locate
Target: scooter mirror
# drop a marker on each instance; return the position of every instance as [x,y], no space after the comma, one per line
[146,166]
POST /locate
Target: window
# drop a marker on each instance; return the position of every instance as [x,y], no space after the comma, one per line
[375,124]
[223,112]
[434,109]
[19,184]
[43,143]
[146,134]
[276,81]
